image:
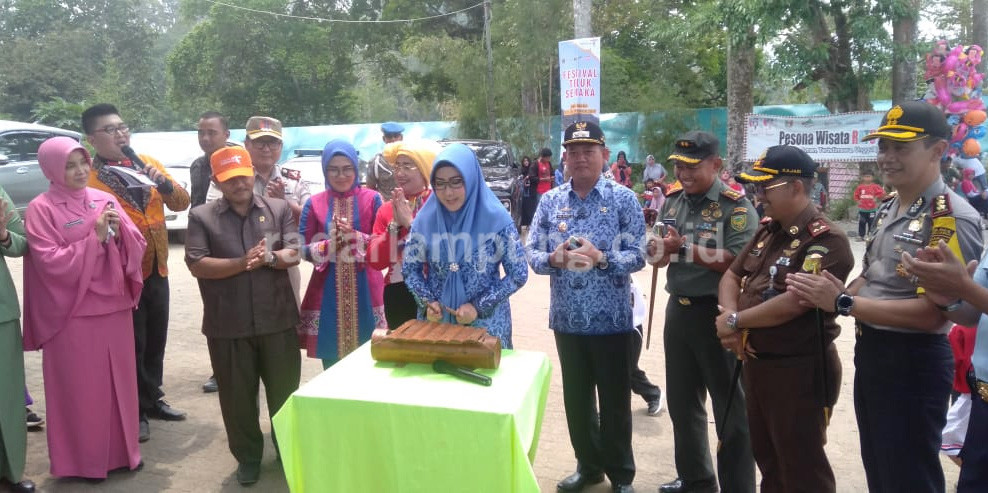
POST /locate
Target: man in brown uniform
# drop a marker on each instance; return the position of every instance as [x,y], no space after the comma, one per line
[239,247]
[785,343]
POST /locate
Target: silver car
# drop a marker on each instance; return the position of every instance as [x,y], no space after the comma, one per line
[20,174]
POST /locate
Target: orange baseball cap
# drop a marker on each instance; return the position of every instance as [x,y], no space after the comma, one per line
[229,162]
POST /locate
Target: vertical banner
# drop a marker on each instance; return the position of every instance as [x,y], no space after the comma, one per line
[579,80]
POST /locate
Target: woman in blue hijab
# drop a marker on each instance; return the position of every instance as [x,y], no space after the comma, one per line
[460,240]
[344,301]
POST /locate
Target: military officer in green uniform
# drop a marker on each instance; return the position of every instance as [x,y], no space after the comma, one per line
[792,376]
[706,224]
[903,366]
[13,435]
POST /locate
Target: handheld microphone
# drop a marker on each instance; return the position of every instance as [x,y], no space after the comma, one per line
[129,152]
[440,366]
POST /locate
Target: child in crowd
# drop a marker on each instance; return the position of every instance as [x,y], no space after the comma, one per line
[867,195]
[962,343]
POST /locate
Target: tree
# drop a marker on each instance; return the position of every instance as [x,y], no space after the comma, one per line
[979,25]
[245,63]
[904,15]
[63,49]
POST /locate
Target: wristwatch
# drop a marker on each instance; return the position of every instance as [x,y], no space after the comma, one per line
[603,265]
[270,259]
[732,321]
[683,249]
[393,227]
[843,304]
[953,307]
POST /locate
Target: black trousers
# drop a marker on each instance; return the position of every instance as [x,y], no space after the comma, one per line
[399,305]
[974,471]
[150,336]
[240,364]
[599,368]
[640,383]
[865,223]
[902,385]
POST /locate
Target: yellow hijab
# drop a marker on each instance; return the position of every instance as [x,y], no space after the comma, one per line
[422,153]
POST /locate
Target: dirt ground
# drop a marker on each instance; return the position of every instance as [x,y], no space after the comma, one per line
[192,455]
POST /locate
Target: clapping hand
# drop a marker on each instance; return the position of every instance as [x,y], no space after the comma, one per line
[402,211]
[944,277]
[255,256]
[6,214]
[275,188]
[815,291]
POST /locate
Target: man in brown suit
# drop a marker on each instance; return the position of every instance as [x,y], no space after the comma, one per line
[791,368]
[240,247]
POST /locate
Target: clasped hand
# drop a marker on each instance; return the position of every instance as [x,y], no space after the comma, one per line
[580,259]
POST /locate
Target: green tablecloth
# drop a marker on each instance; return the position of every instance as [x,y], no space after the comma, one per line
[365,426]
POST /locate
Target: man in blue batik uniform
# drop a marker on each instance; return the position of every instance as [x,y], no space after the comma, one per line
[587,237]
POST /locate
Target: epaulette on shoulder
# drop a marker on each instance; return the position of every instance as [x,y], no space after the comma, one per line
[291,174]
[818,227]
[941,205]
[765,220]
[674,188]
[890,196]
[731,194]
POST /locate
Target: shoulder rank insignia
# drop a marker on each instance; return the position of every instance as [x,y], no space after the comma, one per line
[890,196]
[818,227]
[674,188]
[765,220]
[291,174]
[940,206]
[731,194]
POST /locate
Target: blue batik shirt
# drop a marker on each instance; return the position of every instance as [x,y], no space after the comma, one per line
[593,302]
[486,288]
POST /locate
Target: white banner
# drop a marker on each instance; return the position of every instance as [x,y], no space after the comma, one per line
[824,138]
[579,80]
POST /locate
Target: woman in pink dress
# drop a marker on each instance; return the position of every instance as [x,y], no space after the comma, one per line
[82,280]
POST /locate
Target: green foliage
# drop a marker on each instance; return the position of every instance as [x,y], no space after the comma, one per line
[59,113]
[66,49]
[839,209]
[243,64]
[662,129]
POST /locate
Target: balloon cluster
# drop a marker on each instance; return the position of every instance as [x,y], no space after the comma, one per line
[954,85]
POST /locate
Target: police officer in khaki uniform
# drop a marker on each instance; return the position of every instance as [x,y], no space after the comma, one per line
[707,225]
[903,362]
[380,174]
[793,378]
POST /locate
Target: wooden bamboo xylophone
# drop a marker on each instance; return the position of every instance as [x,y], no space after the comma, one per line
[421,341]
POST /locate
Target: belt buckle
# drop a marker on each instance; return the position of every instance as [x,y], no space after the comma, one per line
[983,390]
[685,301]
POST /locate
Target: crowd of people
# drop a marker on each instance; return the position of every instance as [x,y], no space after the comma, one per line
[751,317]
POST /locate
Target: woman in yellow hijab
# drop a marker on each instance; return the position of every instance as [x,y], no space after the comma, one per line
[412,164]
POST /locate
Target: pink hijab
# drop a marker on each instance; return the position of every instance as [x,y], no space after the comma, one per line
[68,272]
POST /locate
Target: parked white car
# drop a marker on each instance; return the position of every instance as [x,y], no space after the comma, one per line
[175,151]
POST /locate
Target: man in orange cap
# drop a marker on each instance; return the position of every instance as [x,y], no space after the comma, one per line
[250,338]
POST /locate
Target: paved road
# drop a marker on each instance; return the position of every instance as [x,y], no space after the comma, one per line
[192,455]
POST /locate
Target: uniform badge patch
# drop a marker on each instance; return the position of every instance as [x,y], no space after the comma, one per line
[739,222]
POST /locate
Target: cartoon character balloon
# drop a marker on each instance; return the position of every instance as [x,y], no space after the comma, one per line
[954,85]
